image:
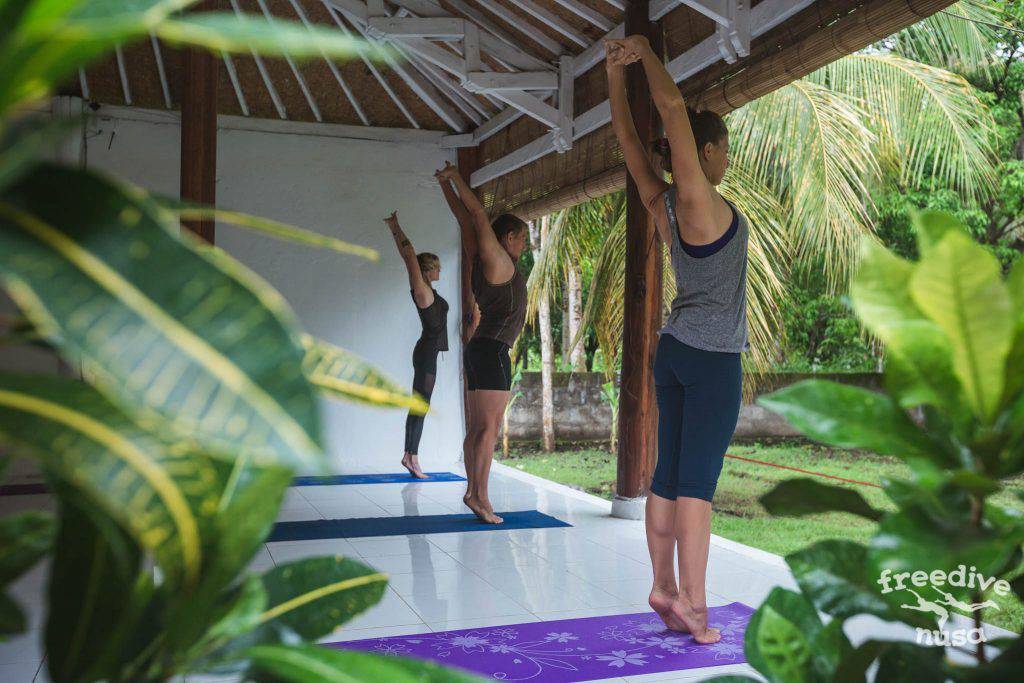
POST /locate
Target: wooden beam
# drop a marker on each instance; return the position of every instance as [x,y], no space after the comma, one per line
[638,411]
[199,133]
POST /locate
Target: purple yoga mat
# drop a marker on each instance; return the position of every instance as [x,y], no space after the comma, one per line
[573,649]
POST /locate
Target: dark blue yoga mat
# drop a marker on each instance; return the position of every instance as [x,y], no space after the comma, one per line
[317,529]
[390,478]
[22,489]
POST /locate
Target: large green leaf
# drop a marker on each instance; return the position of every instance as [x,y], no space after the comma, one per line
[829,647]
[198,343]
[919,368]
[1015,359]
[931,227]
[309,663]
[784,648]
[916,539]
[12,619]
[246,509]
[234,33]
[903,662]
[833,575]
[24,538]
[803,496]
[95,567]
[163,494]
[957,284]
[306,599]
[778,636]
[271,228]
[342,374]
[312,597]
[852,417]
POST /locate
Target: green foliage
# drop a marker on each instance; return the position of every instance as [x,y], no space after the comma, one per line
[951,324]
[198,399]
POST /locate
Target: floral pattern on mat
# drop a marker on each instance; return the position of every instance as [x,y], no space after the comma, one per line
[573,649]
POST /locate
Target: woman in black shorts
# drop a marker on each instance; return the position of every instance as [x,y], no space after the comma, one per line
[499,290]
[423,269]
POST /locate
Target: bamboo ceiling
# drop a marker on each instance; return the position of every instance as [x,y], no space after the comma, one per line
[417,94]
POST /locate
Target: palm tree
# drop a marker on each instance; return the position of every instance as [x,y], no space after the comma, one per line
[803,163]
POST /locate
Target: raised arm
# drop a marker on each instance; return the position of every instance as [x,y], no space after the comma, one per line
[498,266]
[458,209]
[695,192]
[648,180]
[421,291]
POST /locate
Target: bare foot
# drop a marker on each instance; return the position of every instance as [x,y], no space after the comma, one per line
[661,600]
[411,463]
[483,511]
[696,619]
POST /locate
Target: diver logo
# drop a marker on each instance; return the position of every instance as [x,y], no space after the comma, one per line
[958,578]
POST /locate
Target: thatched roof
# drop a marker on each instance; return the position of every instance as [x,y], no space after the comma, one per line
[522,41]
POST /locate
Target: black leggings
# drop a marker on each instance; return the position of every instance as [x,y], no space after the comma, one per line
[424,365]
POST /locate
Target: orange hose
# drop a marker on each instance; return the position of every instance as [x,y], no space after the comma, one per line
[797,469]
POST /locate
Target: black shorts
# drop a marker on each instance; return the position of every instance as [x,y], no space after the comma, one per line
[488,365]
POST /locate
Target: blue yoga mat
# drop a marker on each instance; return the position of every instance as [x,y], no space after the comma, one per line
[390,478]
[317,529]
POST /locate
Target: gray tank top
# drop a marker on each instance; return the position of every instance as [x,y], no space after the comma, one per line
[710,308]
[502,307]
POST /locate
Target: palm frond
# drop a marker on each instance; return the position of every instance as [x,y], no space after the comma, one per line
[944,39]
[768,258]
[931,121]
[810,146]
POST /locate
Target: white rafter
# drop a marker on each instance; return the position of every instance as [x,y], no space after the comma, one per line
[372,67]
[489,29]
[535,34]
[418,83]
[332,66]
[125,88]
[493,40]
[764,17]
[550,20]
[446,87]
[295,69]
[160,69]
[264,74]
[83,83]
[229,64]
[591,15]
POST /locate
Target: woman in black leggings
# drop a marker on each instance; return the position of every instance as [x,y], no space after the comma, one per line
[423,269]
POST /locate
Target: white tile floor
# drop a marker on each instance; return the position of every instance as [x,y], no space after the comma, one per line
[440,582]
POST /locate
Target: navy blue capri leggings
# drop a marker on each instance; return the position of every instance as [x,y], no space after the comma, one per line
[699,394]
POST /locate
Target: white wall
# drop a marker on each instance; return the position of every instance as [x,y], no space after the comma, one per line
[342,187]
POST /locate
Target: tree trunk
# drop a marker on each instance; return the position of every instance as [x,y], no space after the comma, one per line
[574,303]
[547,347]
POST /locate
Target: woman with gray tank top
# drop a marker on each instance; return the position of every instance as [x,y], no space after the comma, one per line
[698,371]
[498,297]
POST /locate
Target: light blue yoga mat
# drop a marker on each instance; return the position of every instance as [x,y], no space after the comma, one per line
[317,529]
[388,478]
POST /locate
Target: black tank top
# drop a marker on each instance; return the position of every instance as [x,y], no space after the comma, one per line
[502,307]
[434,319]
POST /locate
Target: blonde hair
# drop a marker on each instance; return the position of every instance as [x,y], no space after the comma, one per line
[428,261]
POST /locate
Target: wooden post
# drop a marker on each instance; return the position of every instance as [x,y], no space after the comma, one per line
[199,78]
[638,411]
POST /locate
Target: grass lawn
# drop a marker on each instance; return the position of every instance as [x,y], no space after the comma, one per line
[739,516]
